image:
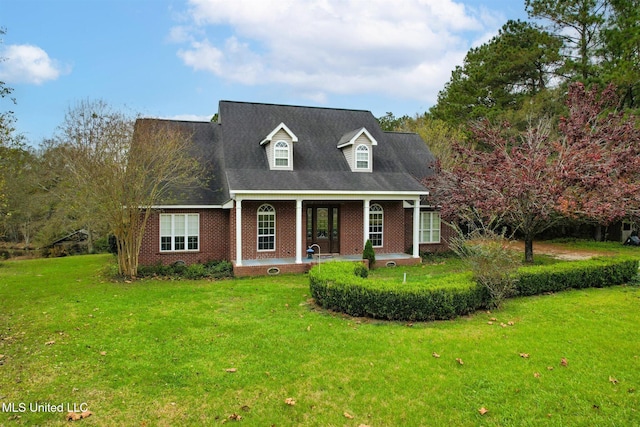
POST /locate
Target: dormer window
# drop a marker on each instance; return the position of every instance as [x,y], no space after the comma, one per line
[362,157]
[281,154]
[357,147]
[279,148]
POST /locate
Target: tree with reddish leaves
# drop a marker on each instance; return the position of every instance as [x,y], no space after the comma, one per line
[510,181]
[531,182]
[599,158]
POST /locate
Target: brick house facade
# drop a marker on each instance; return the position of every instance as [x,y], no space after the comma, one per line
[286,178]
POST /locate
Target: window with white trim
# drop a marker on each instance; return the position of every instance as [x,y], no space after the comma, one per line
[362,157]
[266,228]
[281,154]
[430,227]
[376,218]
[179,232]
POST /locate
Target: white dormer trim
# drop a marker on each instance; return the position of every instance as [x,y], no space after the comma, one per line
[278,128]
[351,137]
[356,145]
[279,148]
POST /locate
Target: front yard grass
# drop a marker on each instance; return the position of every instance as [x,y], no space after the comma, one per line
[156,352]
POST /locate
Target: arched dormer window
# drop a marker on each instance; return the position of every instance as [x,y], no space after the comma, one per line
[281,154]
[362,157]
[266,228]
[376,220]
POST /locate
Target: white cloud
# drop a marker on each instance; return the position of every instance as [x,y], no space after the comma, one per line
[317,47]
[28,64]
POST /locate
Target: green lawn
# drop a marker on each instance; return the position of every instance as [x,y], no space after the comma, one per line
[157,352]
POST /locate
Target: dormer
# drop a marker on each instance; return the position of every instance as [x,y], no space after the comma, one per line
[357,147]
[279,148]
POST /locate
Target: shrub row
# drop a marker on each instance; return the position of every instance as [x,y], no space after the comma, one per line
[340,286]
[212,270]
[593,273]
[336,286]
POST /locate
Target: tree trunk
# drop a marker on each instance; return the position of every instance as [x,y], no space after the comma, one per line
[597,234]
[528,250]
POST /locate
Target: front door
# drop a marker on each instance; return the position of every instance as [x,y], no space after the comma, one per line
[323,228]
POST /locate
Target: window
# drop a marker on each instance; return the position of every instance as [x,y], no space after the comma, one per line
[179,232]
[429,227]
[362,157]
[266,228]
[281,154]
[375,225]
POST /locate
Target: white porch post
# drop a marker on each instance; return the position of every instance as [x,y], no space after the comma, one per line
[367,205]
[416,228]
[238,231]
[298,231]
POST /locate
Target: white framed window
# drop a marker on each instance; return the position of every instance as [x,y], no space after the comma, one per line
[179,232]
[362,157]
[376,223]
[281,154]
[266,228]
[430,227]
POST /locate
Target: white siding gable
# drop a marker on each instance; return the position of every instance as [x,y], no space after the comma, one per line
[279,148]
[357,147]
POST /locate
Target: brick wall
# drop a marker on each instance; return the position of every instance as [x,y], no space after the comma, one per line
[214,242]
[285,230]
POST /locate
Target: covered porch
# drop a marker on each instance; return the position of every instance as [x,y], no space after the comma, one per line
[275,266]
[337,223]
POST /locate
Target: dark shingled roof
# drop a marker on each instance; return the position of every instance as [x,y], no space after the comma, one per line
[232,152]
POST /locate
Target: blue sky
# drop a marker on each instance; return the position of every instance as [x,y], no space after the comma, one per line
[178,58]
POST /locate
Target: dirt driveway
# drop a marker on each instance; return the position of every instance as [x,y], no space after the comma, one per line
[560,251]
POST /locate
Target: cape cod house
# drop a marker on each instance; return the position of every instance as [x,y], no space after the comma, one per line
[289,178]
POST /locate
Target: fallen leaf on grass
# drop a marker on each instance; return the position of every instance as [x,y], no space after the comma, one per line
[524,355]
[52,342]
[489,323]
[290,401]
[564,361]
[235,417]
[74,416]
[364,425]
[549,368]
[510,323]
[459,361]
[103,353]
[613,380]
[536,374]
[483,410]
[348,415]
[231,370]
[436,355]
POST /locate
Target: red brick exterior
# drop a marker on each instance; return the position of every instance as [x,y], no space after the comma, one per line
[217,233]
[214,243]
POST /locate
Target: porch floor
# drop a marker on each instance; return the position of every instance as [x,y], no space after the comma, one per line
[324,257]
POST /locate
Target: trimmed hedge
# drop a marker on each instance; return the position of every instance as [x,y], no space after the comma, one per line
[336,286]
[592,273]
[340,286]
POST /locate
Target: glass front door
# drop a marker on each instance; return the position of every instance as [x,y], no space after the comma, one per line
[323,228]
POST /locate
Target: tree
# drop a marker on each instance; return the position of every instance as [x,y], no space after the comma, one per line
[578,24]
[121,170]
[499,75]
[599,156]
[621,50]
[510,181]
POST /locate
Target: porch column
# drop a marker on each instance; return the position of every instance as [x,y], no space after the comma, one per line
[238,231]
[298,231]
[416,228]
[365,221]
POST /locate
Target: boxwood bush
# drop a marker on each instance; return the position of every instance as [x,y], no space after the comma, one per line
[340,286]
[592,273]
